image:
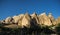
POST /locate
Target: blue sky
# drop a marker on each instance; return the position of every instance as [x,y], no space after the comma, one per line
[15,7]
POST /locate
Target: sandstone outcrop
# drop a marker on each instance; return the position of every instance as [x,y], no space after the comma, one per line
[44,20]
[58,20]
[25,20]
[8,20]
[53,21]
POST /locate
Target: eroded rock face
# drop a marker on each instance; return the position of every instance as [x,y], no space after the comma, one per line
[53,21]
[2,21]
[58,20]
[44,20]
[51,17]
[20,20]
[17,18]
[8,20]
[26,20]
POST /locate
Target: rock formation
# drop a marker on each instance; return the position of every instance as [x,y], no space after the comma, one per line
[58,20]
[44,20]
[25,20]
[34,18]
[53,21]
[8,20]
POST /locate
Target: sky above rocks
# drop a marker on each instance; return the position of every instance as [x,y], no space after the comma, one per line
[15,7]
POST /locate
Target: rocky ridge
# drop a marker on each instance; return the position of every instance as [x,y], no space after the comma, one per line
[25,20]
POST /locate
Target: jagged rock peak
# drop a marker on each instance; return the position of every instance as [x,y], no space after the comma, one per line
[26,18]
[34,14]
[42,14]
[44,19]
[16,19]
[21,15]
[25,21]
[26,14]
[50,15]
[8,19]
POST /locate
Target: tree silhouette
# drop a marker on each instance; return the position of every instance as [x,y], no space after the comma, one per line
[58,28]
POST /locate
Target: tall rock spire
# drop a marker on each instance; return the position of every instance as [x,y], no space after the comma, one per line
[34,14]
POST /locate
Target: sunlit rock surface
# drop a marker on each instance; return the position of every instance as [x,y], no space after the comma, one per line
[44,19]
[34,18]
[8,20]
[25,20]
[53,21]
[58,20]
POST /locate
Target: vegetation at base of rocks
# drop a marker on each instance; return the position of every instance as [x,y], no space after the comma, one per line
[57,28]
[39,30]
[36,29]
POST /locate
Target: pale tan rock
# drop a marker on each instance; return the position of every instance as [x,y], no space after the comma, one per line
[2,21]
[26,21]
[20,20]
[58,20]
[54,22]
[21,15]
[17,18]
[20,23]
[8,20]
[51,17]
[11,26]
[44,20]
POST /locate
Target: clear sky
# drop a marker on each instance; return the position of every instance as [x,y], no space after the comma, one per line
[15,7]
